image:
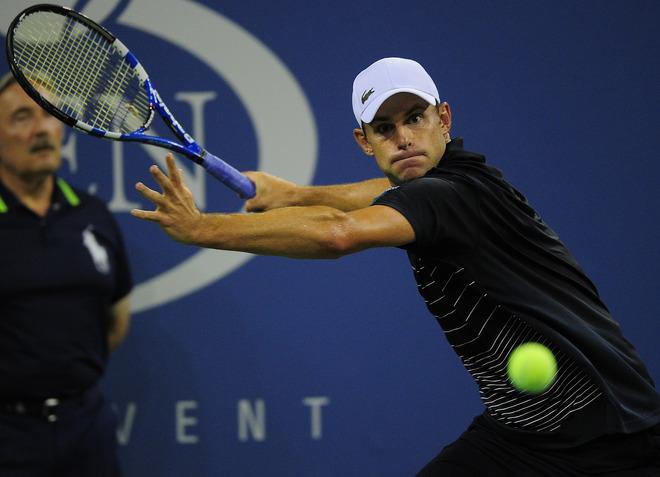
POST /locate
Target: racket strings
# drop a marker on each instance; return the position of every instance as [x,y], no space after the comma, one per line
[81,82]
[33,58]
[51,63]
[81,71]
[115,110]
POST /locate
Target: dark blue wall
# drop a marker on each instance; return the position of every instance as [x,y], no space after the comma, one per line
[563,96]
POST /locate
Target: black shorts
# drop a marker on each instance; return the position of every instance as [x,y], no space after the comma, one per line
[480,451]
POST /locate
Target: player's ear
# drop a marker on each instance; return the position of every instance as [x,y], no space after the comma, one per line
[444,112]
[362,142]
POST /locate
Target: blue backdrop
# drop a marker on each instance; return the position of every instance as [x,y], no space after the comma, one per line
[244,366]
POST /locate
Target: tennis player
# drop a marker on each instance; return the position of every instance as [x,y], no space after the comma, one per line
[491,271]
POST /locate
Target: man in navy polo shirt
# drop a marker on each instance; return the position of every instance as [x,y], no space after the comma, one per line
[64,286]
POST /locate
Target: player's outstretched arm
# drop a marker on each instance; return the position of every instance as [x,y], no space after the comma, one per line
[297,232]
[274,192]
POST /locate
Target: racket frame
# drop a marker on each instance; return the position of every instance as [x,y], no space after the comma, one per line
[227,174]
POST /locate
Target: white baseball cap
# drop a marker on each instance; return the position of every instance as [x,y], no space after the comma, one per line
[387,77]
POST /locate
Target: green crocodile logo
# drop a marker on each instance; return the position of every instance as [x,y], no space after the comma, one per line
[366,94]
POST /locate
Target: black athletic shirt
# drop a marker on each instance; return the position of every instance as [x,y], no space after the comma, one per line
[59,274]
[494,275]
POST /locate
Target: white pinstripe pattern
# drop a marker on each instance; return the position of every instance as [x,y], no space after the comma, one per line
[483,334]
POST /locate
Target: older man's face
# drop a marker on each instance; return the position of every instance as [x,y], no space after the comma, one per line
[30,138]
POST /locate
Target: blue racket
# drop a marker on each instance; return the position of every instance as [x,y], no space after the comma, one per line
[83,75]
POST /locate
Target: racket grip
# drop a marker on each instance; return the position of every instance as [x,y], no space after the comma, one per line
[229,176]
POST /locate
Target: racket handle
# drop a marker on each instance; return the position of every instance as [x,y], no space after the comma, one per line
[229,176]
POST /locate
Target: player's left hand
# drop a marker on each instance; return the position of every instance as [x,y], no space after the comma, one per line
[176,211]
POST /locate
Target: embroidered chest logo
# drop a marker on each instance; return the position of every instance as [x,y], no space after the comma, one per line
[96,250]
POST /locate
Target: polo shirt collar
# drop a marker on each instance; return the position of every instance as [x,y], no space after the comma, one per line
[453,147]
[62,194]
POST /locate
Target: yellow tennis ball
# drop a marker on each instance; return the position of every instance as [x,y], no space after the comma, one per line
[532,368]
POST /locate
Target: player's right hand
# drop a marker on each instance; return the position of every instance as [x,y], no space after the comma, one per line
[272,192]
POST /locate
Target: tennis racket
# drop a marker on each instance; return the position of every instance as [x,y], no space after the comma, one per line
[82,74]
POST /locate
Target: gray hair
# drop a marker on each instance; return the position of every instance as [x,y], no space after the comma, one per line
[6,80]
